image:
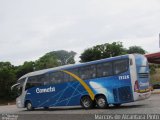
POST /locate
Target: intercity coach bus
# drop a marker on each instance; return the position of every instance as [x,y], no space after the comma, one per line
[100,83]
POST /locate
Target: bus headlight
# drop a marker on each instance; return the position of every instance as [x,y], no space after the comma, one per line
[19,102]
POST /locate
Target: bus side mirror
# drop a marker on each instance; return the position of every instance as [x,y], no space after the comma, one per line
[16,90]
[13,86]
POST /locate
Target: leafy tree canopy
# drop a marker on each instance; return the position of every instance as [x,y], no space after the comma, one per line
[64,57]
[25,68]
[103,51]
[136,49]
[54,59]
[7,79]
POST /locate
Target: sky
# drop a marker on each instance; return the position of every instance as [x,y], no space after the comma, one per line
[31,28]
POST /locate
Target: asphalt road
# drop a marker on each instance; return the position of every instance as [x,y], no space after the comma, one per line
[149,106]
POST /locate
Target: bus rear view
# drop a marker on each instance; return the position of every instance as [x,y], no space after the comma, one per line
[140,77]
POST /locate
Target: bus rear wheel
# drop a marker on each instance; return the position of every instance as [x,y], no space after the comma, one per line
[101,102]
[29,106]
[86,102]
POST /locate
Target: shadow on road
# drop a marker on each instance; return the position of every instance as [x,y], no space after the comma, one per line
[80,108]
[126,106]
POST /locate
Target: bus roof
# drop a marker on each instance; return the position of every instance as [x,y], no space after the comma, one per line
[39,72]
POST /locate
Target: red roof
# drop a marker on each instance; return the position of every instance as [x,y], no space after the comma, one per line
[153,57]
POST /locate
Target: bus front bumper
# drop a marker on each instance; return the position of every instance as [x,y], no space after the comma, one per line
[19,103]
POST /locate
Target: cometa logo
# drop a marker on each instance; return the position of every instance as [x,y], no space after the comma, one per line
[45,90]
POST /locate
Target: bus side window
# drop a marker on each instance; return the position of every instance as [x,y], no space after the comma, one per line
[56,77]
[59,77]
[46,79]
[120,66]
[74,71]
[83,72]
[35,81]
[30,83]
[41,79]
[66,77]
[52,78]
[87,72]
[93,71]
[104,69]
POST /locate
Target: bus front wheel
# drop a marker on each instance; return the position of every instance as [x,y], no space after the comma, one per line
[86,102]
[29,106]
[101,102]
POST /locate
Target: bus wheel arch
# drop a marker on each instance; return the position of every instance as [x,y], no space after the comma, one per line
[28,105]
[101,101]
[86,102]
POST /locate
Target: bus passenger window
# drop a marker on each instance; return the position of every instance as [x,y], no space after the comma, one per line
[66,77]
[87,72]
[104,69]
[56,77]
[46,79]
[92,71]
[74,71]
[35,81]
[120,66]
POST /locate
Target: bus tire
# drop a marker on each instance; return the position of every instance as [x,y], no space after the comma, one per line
[101,102]
[29,106]
[86,102]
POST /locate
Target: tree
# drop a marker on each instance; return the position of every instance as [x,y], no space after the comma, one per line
[6,65]
[64,57]
[103,51]
[25,68]
[114,49]
[46,61]
[7,79]
[136,49]
[90,54]
[152,68]
[54,59]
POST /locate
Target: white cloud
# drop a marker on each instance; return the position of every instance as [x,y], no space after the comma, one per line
[29,29]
